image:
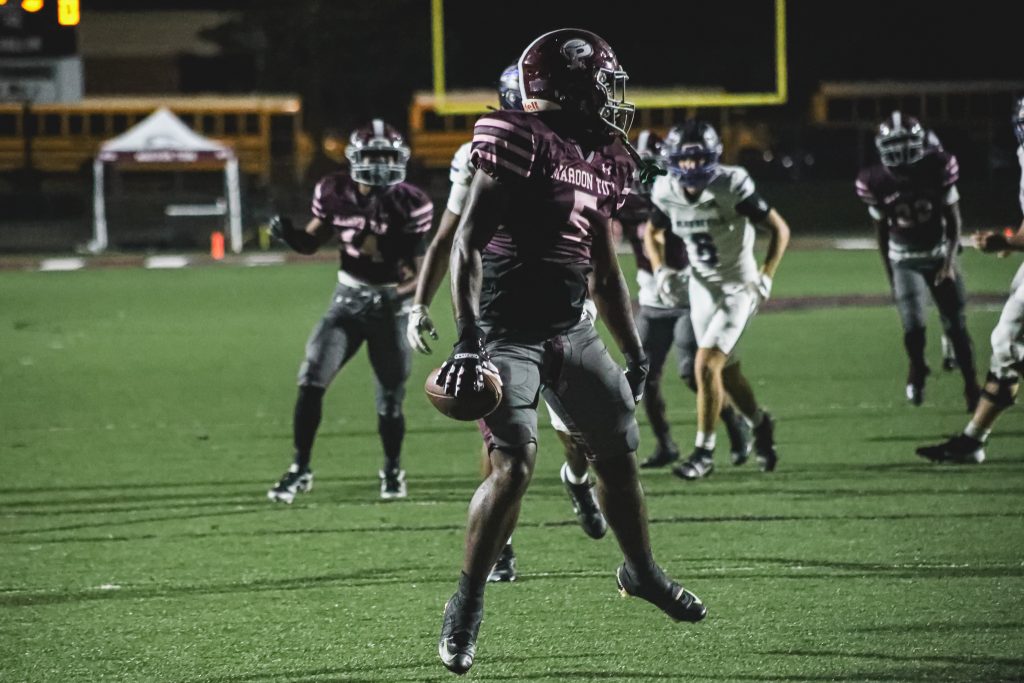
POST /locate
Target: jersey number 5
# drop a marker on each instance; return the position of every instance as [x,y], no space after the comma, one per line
[581,201]
[707,252]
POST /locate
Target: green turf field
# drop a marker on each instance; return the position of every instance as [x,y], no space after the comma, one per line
[145,413]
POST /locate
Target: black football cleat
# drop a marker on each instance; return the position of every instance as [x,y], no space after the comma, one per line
[660,457]
[699,465]
[392,484]
[740,441]
[764,444]
[584,505]
[459,629]
[960,449]
[663,593]
[293,481]
[915,384]
[505,568]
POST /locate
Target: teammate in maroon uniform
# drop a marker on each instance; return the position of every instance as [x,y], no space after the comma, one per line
[537,226]
[912,197]
[663,325]
[381,223]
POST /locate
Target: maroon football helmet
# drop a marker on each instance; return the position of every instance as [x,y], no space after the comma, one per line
[901,140]
[377,154]
[576,71]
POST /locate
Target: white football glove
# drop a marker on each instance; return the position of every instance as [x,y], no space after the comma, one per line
[671,286]
[763,285]
[419,325]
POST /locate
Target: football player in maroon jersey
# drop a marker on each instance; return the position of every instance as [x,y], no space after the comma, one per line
[536,230]
[380,222]
[912,198]
[574,473]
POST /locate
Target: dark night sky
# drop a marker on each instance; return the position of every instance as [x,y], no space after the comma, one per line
[708,42]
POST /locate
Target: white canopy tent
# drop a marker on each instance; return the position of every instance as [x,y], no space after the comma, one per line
[162,138]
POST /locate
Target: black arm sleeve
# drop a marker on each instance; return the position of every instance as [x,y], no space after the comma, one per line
[754,207]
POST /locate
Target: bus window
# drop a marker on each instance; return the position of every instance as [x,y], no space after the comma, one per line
[8,125]
[209,124]
[230,124]
[51,124]
[431,121]
[120,123]
[97,125]
[282,134]
[252,124]
[188,119]
[76,124]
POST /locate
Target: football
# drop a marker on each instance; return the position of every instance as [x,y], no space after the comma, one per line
[468,407]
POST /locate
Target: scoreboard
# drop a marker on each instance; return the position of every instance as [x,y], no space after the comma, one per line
[39,28]
[39,59]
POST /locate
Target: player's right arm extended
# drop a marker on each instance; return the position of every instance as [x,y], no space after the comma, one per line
[431,272]
[435,261]
[307,241]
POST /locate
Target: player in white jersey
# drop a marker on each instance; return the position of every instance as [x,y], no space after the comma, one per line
[1003,380]
[574,471]
[714,209]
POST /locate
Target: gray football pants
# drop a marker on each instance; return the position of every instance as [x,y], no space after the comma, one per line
[356,315]
[914,284]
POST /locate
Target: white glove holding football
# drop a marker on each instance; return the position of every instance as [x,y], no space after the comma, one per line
[671,286]
[764,286]
[420,325]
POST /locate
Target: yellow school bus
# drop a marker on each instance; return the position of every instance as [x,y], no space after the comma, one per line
[264,130]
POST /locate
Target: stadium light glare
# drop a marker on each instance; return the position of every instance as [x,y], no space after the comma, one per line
[32,6]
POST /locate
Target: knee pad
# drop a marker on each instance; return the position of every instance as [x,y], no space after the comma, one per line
[1006,395]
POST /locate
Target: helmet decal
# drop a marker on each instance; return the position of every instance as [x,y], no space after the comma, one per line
[575,51]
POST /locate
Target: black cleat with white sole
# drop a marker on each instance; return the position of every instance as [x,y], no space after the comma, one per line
[699,465]
[292,482]
[459,630]
[663,593]
[960,449]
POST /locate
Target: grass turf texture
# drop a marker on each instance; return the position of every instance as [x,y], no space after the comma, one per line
[145,413]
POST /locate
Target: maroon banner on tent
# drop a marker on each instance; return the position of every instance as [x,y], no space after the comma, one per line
[165,156]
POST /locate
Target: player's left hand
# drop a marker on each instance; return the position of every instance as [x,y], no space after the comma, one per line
[280,227]
[648,170]
[764,286]
[420,325]
[671,287]
[637,368]
[946,272]
[464,370]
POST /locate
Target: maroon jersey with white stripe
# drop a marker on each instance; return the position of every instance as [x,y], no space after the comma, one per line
[910,201]
[536,265]
[380,234]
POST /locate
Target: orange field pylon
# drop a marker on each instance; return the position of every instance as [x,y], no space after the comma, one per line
[217,245]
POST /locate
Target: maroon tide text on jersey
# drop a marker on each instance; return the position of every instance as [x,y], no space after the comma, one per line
[380,234]
[537,263]
[910,200]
